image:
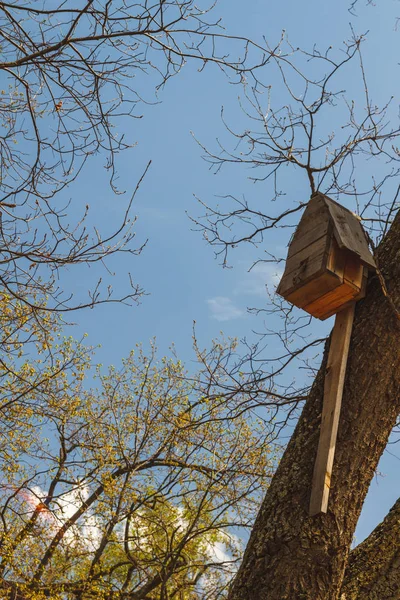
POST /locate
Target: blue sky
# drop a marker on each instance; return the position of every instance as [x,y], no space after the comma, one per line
[177,268]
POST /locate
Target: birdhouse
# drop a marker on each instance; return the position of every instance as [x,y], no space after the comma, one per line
[328,259]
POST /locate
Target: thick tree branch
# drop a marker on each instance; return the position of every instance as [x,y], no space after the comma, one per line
[291,555]
[373,570]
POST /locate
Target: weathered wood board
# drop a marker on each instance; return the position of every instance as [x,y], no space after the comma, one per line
[307,237]
[304,266]
[349,232]
[332,300]
[311,252]
[360,295]
[336,260]
[333,391]
[313,225]
[354,271]
[314,289]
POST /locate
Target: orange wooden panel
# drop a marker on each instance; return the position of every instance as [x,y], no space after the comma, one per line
[346,264]
[360,296]
[332,301]
[354,270]
[314,289]
[337,310]
[337,259]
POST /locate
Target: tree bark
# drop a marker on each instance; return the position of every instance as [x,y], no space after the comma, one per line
[373,570]
[293,556]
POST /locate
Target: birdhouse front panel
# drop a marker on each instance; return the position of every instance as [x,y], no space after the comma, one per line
[322,274]
[351,274]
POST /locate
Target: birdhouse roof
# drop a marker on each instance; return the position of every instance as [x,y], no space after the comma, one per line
[347,228]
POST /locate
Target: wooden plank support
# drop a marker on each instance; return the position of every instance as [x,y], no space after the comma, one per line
[333,391]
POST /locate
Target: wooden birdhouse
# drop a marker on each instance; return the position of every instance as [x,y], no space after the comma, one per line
[328,259]
[326,272]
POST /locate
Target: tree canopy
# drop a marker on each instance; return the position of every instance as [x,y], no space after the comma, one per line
[115,484]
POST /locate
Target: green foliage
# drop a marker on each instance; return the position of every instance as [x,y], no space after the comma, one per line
[129,482]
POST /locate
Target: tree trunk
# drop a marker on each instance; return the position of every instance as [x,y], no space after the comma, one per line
[373,570]
[291,555]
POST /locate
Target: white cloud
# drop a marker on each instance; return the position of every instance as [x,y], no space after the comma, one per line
[261,275]
[86,532]
[221,552]
[223,309]
[218,552]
